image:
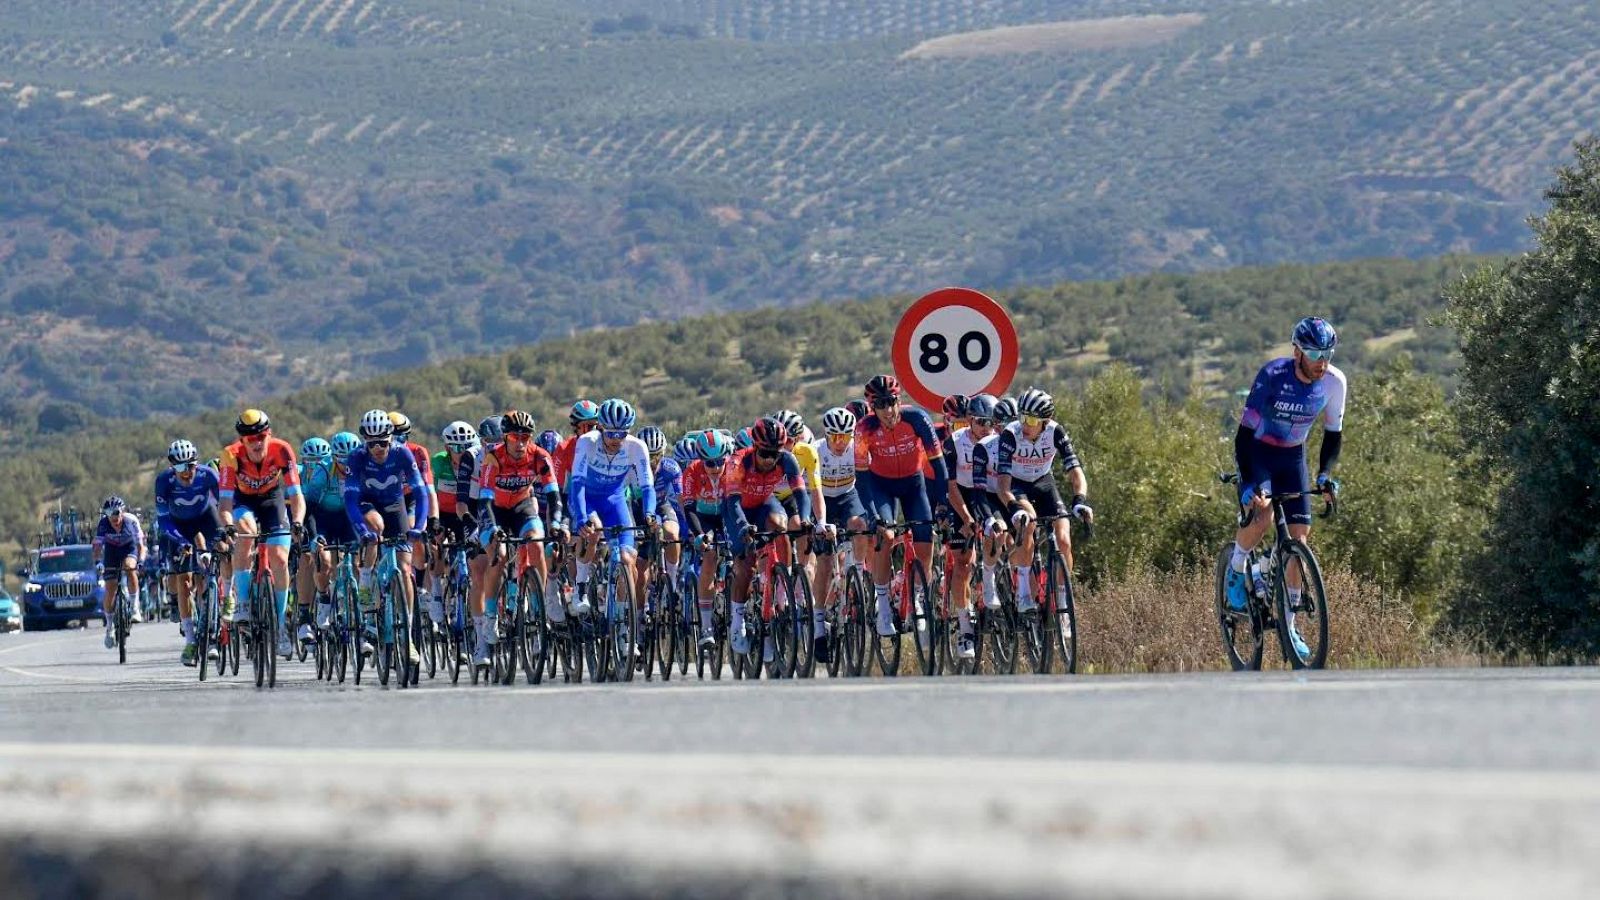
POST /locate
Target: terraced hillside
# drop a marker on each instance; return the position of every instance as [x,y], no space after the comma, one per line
[462,176]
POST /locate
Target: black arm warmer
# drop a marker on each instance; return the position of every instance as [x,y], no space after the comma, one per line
[1241,448]
[1329,455]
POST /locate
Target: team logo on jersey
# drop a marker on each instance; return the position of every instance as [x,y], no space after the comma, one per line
[254,484]
[196,500]
[373,484]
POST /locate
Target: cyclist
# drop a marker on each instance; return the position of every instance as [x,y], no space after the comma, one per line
[891,445]
[490,433]
[186,513]
[402,436]
[984,505]
[375,502]
[858,408]
[517,494]
[584,417]
[455,471]
[1026,455]
[603,463]
[836,476]
[967,497]
[751,483]
[800,441]
[549,440]
[668,478]
[260,498]
[322,483]
[685,451]
[118,544]
[702,500]
[952,417]
[743,440]
[1289,395]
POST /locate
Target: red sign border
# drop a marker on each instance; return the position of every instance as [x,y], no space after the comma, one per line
[900,349]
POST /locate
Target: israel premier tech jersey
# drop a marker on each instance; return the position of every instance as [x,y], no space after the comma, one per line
[1281,408]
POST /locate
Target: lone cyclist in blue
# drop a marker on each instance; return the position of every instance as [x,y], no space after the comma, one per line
[1289,395]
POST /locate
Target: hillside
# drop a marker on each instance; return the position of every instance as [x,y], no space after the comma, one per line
[446,177]
[1201,334]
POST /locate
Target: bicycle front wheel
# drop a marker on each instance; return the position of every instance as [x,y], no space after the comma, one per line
[805,623]
[1302,607]
[924,622]
[853,623]
[535,628]
[624,632]
[119,618]
[1242,631]
[1063,617]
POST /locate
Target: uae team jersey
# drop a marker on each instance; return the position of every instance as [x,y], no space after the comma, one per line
[1281,408]
[1031,460]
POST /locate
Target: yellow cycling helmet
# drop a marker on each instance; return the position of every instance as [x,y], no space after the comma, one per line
[252,421]
[402,424]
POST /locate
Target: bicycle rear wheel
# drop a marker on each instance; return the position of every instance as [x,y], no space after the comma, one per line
[1303,620]
[853,623]
[203,606]
[784,628]
[666,627]
[1033,625]
[1063,620]
[257,632]
[1242,631]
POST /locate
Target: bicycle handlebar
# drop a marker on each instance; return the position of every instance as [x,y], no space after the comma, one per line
[1330,500]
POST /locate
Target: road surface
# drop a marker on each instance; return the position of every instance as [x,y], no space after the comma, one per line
[1409,784]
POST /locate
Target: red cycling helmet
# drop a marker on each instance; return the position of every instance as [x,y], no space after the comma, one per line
[882,390]
[955,406]
[768,434]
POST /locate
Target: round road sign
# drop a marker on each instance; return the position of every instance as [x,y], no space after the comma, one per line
[954,341]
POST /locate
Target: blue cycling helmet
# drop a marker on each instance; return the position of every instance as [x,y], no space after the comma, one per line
[583,411]
[685,451]
[1315,334]
[548,439]
[617,415]
[981,406]
[343,444]
[713,445]
[745,439]
[316,449]
[490,430]
[113,504]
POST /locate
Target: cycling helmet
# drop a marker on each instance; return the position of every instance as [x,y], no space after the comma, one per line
[113,504]
[1035,402]
[252,421]
[1315,334]
[490,431]
[839,421]
[516,421]
[375,424]
[344,443]
[981,406]
[316,449]
[583,411]
[1005,410]
[402,425]
[955,406]
[768,434]
[459,434]
[882,389]
[686,450]
[655,440]
[744,439]
[793,425]
[548,440]
[858,408]
[713,445]
[181,451]
[617,415]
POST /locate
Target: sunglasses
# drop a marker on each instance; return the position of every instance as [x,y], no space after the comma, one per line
[987,423]
[713,463]
[374,445]
[185,467]
[614,435]
[766,454]
[1032,421]
[255,438]
[1317,355]
[517,437]
[887,404]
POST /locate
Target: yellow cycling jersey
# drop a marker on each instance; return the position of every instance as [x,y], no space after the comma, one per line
[806,455]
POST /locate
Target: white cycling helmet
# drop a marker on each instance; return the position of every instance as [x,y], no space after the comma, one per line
[459,434]
[839,421]
[376,424]
[181,451]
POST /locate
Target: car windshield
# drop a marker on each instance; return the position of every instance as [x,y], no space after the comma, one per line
[56,560]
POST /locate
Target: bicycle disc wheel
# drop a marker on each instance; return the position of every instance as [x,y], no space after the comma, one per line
[1063,614]
[535,642]
[804,604]
[1302,621]
[1242,632]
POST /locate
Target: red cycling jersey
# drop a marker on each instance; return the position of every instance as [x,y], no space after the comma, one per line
[753,486]
[898,452]
[420,453]
[701,487]
[566,451]
[514,480]
[255,479]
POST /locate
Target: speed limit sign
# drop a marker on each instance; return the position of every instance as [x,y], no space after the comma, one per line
[954,341]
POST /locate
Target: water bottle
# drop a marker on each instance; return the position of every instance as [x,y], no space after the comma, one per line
[1258,582]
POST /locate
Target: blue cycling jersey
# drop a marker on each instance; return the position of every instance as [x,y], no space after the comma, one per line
[187,502]
[1281,408]
[601,476]
[322,486]
[383,484]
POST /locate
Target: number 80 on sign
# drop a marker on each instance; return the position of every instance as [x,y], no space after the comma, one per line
[954,341]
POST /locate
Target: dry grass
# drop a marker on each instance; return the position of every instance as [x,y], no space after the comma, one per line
[1167,623]
[1055,37]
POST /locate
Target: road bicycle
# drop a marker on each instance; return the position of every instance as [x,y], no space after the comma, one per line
[1049,631]
[910,602]
[1285,563]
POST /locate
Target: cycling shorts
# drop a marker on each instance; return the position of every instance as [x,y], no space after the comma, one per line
[396,521]
[843,508]
[521,520]
[333,526]
[764,517]
[208,525]
[268,511]
[1280,469]
[615,512]
[1042,495]
[911,492]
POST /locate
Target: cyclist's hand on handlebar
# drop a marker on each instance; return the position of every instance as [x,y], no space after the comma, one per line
[1326,482]
[297,531]
[417,534]
[1020,518]
[1082,511]
[365,533]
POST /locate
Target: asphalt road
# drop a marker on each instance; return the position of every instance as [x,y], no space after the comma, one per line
[1406,784]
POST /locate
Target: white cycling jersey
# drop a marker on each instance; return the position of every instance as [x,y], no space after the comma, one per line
[836,471]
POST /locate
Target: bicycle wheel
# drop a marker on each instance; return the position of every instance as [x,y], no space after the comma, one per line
[535,644]
[1003,638]
[119,619]
[784,628]
[665,625]
[648,629]
[1033,627]
[269,644]
[626,628]
[1242,632]
[853,627]
[685,620]
[201,629]
[804,604]
[257,631]
[1063,621]
[924,618]
[1303,620]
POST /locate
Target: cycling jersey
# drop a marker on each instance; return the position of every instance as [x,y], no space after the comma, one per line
[382,485]
[985,453]
[598,475]
[277,470]
[508,481]
[836,472]
[742,481]
[703,490]
[1032,460]
[564,457]
[176,500]
[420,454]
[806,455]
[669,485]
[958,457]
[1281,408]
[121,542]
[322,485]
[900,451]
[444,482]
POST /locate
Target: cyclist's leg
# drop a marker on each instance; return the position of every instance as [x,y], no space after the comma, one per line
[1258,472]
[246,528]
[1022,550]
[917,508]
